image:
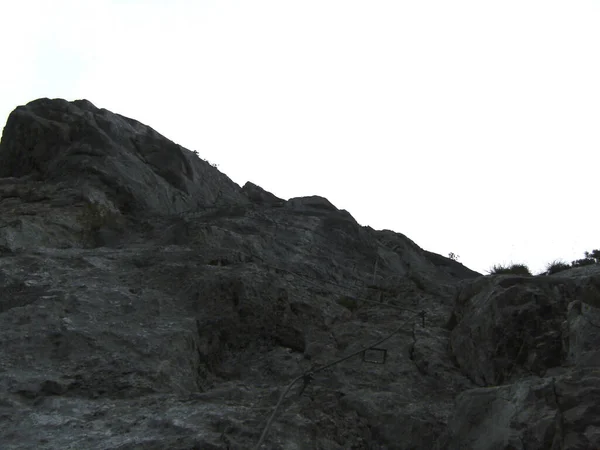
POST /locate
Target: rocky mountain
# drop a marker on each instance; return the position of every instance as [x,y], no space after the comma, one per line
[149,302]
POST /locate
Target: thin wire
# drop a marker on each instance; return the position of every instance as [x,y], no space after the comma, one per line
[314,370]
[270,421]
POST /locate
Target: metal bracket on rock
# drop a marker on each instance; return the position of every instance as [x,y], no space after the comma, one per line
[306,379]
[375,355]
[308,376]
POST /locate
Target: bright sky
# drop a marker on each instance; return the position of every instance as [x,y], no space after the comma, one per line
[471,127]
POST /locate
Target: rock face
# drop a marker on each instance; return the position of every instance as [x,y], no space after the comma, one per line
[533,345]
[54,141]
[148,302]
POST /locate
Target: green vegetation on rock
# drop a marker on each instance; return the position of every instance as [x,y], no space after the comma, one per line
[513,269]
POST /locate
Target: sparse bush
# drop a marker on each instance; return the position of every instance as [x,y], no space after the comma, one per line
[453,256]
[556,266]
[594,254]
[206,160]
[591,258]
[583,262]
[513,269]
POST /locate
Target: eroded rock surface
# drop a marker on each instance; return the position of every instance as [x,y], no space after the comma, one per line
[148,302]
[533,345]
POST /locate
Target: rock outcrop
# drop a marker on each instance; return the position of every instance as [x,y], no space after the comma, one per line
[133,165]
[532,344]
[149,302]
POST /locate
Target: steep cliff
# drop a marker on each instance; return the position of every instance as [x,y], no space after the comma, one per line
[149,302]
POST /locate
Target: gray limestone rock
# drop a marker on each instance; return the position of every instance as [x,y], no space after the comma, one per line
[135,167]
[533,345]
[258,195]
[148,302]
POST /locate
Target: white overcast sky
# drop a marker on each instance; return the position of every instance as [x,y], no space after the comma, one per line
[471,127]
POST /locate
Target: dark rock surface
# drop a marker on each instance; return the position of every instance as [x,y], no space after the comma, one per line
[56,140]
[148,302]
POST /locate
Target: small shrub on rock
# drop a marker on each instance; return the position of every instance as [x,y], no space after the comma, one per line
[594,255]
[513,269]
[583,262]
[453,256]
[556,266]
